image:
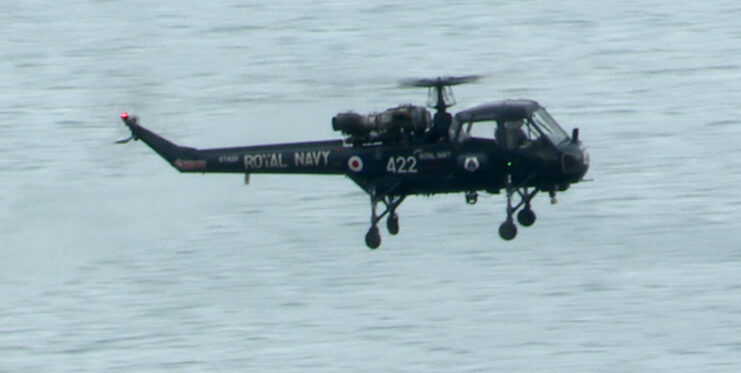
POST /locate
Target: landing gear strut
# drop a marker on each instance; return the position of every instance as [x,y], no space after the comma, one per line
[526,216]
[391,202]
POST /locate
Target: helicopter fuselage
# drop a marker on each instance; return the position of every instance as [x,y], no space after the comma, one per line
[415,169]
[403,151]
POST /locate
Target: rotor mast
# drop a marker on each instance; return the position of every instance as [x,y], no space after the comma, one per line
[439,88]
[439,84]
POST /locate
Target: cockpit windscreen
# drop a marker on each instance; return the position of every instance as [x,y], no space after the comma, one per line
[549,126]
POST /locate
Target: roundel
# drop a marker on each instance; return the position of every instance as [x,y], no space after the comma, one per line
[355,163]
[471,164]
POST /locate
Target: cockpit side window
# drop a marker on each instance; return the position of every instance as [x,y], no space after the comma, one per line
[481,130]
[531,132]
[515,133]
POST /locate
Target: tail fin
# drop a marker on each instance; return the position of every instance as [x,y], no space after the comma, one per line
[180,157]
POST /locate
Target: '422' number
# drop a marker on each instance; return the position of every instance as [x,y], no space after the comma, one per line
[402,165]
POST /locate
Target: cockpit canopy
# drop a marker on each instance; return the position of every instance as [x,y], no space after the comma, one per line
[501,118]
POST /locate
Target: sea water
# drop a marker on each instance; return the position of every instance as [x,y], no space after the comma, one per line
[110,260]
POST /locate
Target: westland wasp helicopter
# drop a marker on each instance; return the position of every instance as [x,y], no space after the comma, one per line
[510,145]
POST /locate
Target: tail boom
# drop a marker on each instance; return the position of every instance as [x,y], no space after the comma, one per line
[183,158]
[318,157]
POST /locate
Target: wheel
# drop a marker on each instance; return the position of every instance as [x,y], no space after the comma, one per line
[372,238]
[526,217]
[392,223]
[508,230]
[472,199]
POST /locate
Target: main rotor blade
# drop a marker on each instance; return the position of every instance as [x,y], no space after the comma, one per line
[439,81]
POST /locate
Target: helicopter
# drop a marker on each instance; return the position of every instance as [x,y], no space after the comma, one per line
[511,145]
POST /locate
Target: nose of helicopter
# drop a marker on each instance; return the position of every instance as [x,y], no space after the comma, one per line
[574,162]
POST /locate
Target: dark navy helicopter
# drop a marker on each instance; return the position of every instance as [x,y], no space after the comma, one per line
[510,145]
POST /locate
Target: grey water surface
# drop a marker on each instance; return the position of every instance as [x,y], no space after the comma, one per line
[110,260]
